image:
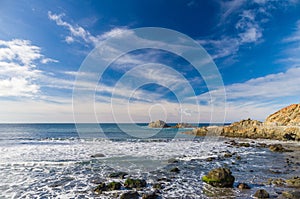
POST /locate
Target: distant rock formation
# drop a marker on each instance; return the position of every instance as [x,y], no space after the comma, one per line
[287,116]
[182,125]
[158,124]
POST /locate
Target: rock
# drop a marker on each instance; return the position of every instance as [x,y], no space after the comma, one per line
[291,194]
[119,174]
[278,148]
[135,183]
[227,155]
[158,124]
[243,186]
[261,193]
[114,186]
[293,182]
[220,177]
[172,160]
[100,188]
[175,170]
[151,195]
[288,116]
[157,186]
[210,159]
[277,182]
[182,125]
[289,136]
[244,144]
[98,155]
[130,195]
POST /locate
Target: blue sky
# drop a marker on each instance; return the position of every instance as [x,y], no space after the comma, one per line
[254,44]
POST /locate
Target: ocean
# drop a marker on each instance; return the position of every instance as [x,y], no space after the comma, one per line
[60,161]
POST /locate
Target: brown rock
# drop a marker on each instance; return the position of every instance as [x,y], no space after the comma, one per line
[261,193]
[288,116]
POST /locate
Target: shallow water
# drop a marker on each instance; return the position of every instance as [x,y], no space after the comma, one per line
[47,161]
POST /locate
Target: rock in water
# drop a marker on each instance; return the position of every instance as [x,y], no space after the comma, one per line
[243,186]
[135,183]
[119,174]
[293,182]
[261,193]
[288,116]
[158,124]
[220,177]
[278,148]
[291,194]
[130,195]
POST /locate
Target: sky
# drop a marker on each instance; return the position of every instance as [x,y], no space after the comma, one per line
[254,45]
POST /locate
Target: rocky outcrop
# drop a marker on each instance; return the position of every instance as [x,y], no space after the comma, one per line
[183,125]
[158,124]
[220,177]
[288,116]
[261,193]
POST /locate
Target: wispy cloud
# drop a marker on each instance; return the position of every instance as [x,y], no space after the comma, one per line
[18,59]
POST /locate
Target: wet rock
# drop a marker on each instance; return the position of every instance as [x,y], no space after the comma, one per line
[158,124]
[151,195]
[244,144]
[291,194]
[220,177]
[157,186]
[182,125]
[238,157]
[243,186]
[130,195]
[135,183]
[210,159]
[278,148]
[261,193]
[114,186]
[100,188]
[119,174]
[175,170]
[227,155]
[172,160]
[293,182]
[276,181]
[98,155]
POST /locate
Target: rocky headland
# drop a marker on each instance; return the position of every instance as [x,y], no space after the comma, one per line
[281,125]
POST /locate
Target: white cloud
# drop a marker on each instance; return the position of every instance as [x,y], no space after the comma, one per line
[18,59]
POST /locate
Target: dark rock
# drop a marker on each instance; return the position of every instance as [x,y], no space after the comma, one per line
[289,136]
[244,144]
[172,160]
[152,195]
[158,124]
[130,195]
[175,170]
[100,188]
[227,155]
[135,183]
[210,159]
[291,194]
[220,177]
[118,175]
[114,186]
[98,155]
[238,157]
[261,193]
[278,148]
[243,186]
[157,186]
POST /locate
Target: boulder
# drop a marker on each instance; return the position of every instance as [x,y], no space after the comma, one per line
[278,148]
[135,183]
[100,188]
[158,124]
[293,182]
[119,174]
[151,195]
[98,155]
[291,194]
[175,170]
[114,186]
[220,177]
[243,186]
[130,195]
[261,193]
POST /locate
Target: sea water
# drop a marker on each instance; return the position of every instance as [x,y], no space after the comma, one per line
[56,161]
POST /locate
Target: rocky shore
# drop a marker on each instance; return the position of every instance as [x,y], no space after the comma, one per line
[281,125]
